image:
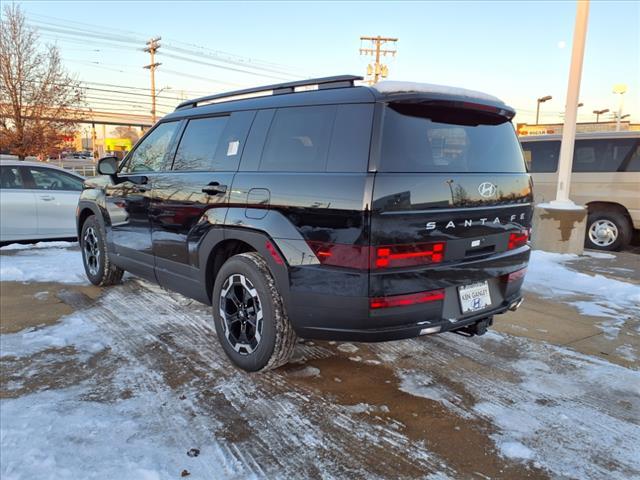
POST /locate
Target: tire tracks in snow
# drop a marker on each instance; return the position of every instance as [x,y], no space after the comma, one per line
[291,430]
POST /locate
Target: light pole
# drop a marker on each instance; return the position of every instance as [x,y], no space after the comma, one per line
[619,89]
[559,226]
[541,100]
[600,112]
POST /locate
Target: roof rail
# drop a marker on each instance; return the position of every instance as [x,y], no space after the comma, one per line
[338,81]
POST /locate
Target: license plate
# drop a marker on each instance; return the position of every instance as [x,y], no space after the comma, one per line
[474,297]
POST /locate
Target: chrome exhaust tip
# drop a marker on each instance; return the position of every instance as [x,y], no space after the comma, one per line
[516,304]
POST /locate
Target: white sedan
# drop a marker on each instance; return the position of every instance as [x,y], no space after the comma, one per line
[37,201]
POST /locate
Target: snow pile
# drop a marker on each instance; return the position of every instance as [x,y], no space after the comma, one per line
[549,277]
[43,262]
[391,86]
[30,246]
[73,331]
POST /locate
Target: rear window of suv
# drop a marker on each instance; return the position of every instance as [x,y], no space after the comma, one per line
[432,143]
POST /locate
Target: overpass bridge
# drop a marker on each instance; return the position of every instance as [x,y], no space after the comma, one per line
[114,118]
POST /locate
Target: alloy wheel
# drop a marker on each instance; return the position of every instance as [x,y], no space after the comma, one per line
[241,312]
[91,250]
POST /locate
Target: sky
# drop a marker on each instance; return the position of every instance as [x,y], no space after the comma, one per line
[518,51]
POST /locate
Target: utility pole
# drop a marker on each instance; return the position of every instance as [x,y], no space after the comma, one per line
[152,48]
[378,70]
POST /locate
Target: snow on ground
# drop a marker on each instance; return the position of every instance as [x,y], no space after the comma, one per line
[151,384]
[574,415]
[46,262]
[549,275]
[162,386]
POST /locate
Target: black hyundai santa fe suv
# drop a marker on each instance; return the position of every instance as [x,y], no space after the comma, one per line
[321,209]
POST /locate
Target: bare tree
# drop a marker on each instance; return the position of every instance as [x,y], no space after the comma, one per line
[126,132]
[38,98]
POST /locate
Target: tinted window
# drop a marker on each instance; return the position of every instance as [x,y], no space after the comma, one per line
[298,139]
[49,179]
[10,178]
[541,157]
[416,143]
[349,150]
[150,154]
[633,164]
[199,143]
[603,155]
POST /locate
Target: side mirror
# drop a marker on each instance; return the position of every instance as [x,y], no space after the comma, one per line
[108,166]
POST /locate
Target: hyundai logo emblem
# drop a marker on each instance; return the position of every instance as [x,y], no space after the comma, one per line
[487,189]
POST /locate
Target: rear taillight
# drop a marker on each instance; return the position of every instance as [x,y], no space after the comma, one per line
[406,300]
[385,256]
[517,275]
[518,239]
[409,255]
[339,255]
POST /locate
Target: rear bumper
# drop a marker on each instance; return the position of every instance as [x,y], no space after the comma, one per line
[324,305]
[399,332]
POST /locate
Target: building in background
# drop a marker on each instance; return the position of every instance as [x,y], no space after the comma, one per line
[524,129]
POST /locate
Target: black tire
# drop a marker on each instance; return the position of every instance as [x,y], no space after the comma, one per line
[608,230]
[261,310]
[97,264]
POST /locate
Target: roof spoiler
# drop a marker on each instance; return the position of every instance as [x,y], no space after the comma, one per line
[418,105]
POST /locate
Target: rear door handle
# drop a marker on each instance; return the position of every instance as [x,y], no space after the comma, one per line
[214,188]
[47,198]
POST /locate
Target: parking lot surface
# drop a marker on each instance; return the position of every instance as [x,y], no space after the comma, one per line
[130,382]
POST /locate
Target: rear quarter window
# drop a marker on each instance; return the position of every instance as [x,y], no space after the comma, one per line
[412,143]
[299,139]
[541,157]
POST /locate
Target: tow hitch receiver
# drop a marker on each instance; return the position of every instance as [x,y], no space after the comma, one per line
[478,328]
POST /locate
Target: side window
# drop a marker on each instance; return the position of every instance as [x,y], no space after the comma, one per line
[255,140]
[632,163]
[199,143]
[603,155]
[349,151]
[299,139]
[10,178]
[150,153]
[49,179]
[541,157]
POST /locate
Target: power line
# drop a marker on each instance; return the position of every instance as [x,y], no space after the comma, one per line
[214,65]
[135,38]
[63,29]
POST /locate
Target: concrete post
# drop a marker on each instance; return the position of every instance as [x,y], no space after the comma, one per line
[559,226]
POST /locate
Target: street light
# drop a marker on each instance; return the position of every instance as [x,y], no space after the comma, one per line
[541,100]
[600,112]
[619,89]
